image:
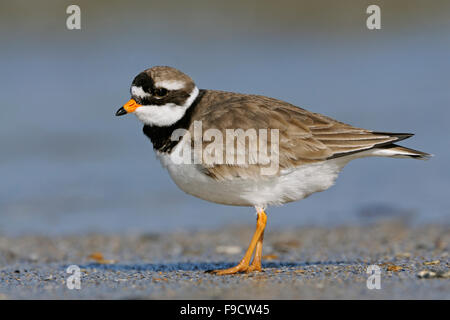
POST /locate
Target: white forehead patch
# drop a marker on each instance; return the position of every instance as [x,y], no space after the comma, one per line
[139,92]
[170,84]
[167,114]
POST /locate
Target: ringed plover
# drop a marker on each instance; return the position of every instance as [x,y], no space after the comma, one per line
[310,149]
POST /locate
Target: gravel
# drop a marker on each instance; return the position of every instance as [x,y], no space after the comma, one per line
[304,263]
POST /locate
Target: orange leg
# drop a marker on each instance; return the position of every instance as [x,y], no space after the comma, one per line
[257,242]
[256,263]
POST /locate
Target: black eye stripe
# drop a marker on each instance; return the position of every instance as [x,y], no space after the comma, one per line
[160,92]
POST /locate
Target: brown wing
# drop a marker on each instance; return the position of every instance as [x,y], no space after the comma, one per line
[304,137]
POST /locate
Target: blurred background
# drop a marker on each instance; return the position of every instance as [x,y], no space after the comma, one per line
[69,166]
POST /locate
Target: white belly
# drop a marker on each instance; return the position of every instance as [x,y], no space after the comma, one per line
[291,185]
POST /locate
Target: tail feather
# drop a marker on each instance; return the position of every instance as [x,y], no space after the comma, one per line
[397,151]
[399,136]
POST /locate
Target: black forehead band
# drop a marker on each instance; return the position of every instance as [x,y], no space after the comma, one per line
[145,81]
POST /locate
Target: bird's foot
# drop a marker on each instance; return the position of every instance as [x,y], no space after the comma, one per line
[255,245]
[240,268]
[253,268]
[236,269]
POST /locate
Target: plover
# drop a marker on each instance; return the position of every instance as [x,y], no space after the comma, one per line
[311,149]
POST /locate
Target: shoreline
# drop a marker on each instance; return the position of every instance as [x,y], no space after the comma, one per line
[300,263]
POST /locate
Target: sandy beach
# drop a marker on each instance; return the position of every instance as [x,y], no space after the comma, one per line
[301,263]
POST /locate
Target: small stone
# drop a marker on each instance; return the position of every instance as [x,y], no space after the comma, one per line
[394,268]
[429,274]
[426,274]
[430,263]
[98,258]
[300,271]
[445,275]
[384,264]
[50,277]
[278,271]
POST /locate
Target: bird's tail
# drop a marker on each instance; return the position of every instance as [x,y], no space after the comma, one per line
[396,151]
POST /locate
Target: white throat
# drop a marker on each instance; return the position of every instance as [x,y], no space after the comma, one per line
[165,115]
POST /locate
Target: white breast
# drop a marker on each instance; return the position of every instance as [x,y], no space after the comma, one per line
[291,185]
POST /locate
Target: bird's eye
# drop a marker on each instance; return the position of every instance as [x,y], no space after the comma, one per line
[160,92]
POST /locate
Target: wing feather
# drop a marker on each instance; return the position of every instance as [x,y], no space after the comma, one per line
[304,137]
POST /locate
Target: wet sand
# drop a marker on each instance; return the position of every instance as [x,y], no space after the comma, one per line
[304,263]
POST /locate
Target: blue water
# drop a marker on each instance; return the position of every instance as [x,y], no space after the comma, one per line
[68,165]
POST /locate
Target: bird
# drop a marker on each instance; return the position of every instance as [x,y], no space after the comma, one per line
[309,149]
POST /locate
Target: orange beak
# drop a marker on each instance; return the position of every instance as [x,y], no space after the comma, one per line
[128,107]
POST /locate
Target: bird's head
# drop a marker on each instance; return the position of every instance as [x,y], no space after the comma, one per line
[160,96]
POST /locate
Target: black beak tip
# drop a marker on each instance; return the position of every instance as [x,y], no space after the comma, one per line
[121,112]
